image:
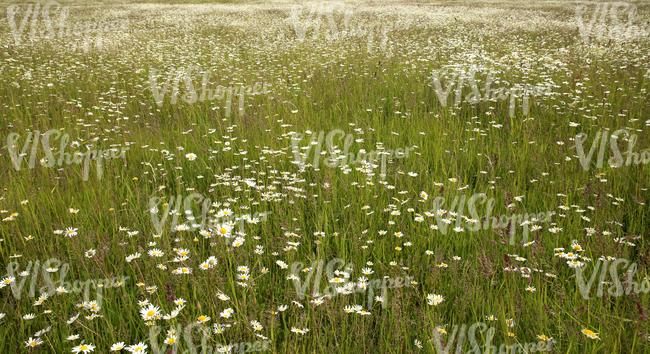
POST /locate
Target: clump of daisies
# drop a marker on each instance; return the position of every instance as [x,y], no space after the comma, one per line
[434,299]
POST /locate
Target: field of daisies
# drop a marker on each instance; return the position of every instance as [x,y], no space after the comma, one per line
[199,177]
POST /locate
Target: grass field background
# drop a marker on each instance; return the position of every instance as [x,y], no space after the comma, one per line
[378,88]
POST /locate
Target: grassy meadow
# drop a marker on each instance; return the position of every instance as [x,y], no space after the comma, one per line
[380,72]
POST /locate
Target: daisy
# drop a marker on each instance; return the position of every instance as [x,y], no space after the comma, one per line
[154,252]
[137,348]
[223,230]
[7,280]
[575,264]
[149,312]
[85,348]
[418,343]
[298,330]
[131,257]
[434,299]
[590,334]
[256,326]
[238,242]
[69,232]
[31,342]
[227,313]
[219,328]
[73,318]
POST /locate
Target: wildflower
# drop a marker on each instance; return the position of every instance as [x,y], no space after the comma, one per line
[418,344]
[302,331]
[85,348]
[117,346]
[238,242]
[69,232]
[575,264]
[367,271]
[223,230]
[137,348]
[256,326]
[149,312]
[590,333]
[133,256]
[434,299]
[31,342]
[227,313]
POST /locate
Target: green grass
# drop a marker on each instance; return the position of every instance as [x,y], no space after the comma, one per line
[321,85]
